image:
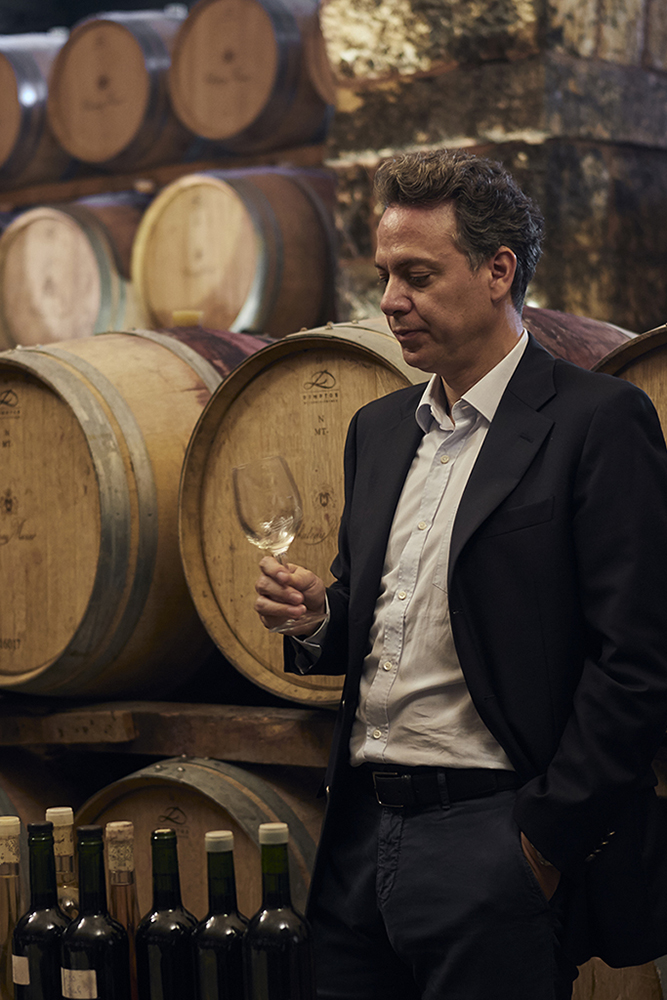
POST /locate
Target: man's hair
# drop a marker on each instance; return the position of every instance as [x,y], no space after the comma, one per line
[491,209]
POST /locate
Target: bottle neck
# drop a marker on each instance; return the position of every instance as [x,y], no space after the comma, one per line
[63,848]
[275,876]
[43,891]
[121,862]
[64,869]
[166,882]
[221,882]
[92,887]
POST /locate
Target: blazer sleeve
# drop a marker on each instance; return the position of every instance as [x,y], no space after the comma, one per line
[619,710]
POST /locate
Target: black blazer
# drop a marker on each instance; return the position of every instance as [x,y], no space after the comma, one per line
[558,603]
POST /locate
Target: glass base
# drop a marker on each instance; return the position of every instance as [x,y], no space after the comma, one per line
[298,626]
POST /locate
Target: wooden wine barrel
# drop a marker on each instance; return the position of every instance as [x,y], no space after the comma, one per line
[29,151]
[252,75]
[65,271]
[643,361]
[578,339]
[193,795]
[93,434]
[108,102]
[296,398]
[252,249]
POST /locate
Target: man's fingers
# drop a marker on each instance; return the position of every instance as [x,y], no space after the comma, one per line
[277,591]
[286,592]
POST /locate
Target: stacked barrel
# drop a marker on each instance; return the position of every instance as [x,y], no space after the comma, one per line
[134,88]
[99,391]
[253,250]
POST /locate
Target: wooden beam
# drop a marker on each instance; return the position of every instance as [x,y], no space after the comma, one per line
[294,736]
[148,180]
[74,726]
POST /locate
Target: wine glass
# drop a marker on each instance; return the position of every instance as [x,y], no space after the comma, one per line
[269,510]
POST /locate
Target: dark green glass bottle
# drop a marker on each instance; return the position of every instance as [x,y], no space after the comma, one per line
[95,948]
[165,969]
[37,935]
[217,939]
[277,946]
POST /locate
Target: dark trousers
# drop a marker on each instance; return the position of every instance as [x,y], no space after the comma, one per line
[435,902]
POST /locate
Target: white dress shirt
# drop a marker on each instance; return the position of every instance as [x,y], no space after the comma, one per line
[414,706]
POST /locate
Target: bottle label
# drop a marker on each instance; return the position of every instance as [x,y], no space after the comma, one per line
[20,970]
[79,984]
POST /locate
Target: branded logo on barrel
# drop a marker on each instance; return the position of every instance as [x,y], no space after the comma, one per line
[9,403]
[175,815]
[320,388]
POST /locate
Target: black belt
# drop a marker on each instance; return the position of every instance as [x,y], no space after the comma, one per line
[418,787]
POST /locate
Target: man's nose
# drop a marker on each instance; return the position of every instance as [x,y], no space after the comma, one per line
[394,300]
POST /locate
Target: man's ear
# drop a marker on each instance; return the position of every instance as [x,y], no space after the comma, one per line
[502,268]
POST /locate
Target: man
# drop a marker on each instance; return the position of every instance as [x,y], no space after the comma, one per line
[499,612]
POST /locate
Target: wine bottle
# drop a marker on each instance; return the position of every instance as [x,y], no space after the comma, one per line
[95,949]
[165,969]
[123,902]
[10,898]
[67,880]
[217,940]
[37,935]
[277,946]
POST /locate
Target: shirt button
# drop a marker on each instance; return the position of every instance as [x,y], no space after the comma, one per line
[444,459]
[387,665]
[421,525]
[377,733]
[401,595]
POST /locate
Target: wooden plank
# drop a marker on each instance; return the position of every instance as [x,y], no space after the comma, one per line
[75,726]
[151,179]
[224,732]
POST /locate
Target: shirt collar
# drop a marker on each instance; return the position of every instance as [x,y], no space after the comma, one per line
[484,395]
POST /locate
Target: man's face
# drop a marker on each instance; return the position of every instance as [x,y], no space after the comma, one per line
[440,311]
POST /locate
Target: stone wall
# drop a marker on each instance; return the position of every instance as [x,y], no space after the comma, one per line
[571,95]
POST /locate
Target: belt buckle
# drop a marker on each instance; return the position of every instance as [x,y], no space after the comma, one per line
[402,787]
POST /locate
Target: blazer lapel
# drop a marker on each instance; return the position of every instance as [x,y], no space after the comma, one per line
[514,438]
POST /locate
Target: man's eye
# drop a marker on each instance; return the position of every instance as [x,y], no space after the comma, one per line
[383,279]
[419,279]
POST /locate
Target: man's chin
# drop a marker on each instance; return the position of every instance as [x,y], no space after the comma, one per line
[416,360]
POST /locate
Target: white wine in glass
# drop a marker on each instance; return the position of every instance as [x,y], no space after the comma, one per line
[269,510]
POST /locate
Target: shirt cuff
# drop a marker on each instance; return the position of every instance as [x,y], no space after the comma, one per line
[309,649]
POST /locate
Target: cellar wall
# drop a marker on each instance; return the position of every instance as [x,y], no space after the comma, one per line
[572,97]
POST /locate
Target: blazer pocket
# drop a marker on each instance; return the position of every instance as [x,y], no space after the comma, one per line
[514,518]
